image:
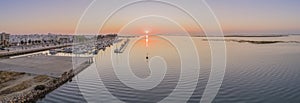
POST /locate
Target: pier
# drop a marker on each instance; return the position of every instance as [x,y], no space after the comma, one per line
[123,47]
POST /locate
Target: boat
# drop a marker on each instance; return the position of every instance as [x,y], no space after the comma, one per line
[52,51]
[96,52]
[67,50]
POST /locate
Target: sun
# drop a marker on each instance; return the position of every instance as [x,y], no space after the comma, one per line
[146,31]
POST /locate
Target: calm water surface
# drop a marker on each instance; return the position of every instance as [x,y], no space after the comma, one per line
[255,73]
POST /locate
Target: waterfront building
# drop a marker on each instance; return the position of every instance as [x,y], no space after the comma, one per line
[39,39]
[65,38]
[4,39]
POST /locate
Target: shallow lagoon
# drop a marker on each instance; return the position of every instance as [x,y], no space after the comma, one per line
[255,73]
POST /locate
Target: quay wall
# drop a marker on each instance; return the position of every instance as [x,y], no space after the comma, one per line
[13,53]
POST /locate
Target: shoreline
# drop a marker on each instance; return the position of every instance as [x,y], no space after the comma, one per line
[250,35]
[251,41]
[32,95]
[20,52]
[56,70]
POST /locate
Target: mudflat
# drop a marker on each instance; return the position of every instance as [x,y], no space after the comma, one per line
[12,83]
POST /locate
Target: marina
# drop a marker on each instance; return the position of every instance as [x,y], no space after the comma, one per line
[42,70]
[150,51]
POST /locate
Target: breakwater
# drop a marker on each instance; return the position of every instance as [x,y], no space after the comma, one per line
[122,48]
[39,91]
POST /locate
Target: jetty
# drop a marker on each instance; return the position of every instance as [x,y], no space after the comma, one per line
[123,47]
[58,70]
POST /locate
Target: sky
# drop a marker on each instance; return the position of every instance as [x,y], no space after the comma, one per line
[234,16]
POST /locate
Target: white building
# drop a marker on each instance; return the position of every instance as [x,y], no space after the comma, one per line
[32,39]
[4,39]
